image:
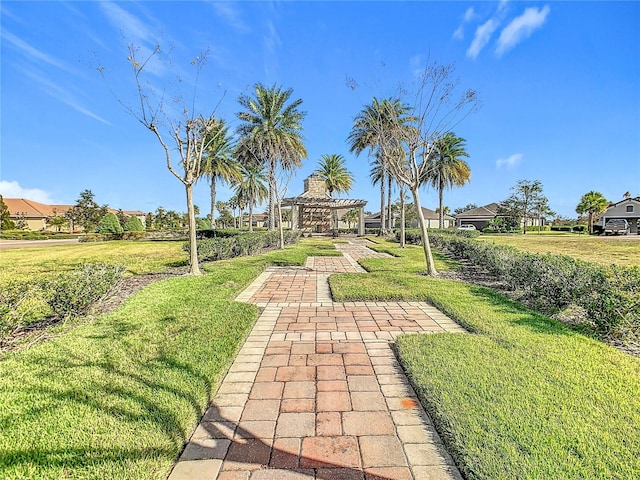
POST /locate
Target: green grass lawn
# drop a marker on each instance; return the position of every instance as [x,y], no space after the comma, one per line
[600,250]
[522,396]
[117,398]
[139,257]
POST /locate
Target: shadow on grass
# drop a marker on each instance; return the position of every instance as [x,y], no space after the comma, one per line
[103,392]
[515,314]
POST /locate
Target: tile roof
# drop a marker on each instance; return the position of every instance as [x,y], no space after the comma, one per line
[490,210]
[30,208]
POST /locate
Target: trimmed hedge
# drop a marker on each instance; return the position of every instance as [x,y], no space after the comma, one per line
[243,244]
[31,235]
[414,236]
[106,237]
[610,296]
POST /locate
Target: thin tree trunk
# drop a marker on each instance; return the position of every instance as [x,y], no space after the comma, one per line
[402,214]
[272,192]
[194,268]
[251,215]
[389,215]
[212,218]
[440,211]
[431,269]
[383,217]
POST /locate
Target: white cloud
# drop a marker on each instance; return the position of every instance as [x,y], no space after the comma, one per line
[459,33]
[521,28]
[511,162]
[271,44]
[231,16]
[31,51]
[482,37]
[469,15]
[14,190]
[62,94]
[126,22]
[417,64]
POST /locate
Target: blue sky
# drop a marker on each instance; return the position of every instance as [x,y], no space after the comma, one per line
[559,84]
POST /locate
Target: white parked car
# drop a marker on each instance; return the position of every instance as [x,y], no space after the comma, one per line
[467,226]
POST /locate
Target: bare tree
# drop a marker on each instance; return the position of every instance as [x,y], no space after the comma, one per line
[183,132]
[434,107]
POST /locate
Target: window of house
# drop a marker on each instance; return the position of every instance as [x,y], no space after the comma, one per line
[629,208]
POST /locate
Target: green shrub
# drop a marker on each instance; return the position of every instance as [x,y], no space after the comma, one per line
[134,235]
[19,301]
[218,232]
[610,296]
[32,235]
[243,244]
[133,224]
[109,224]
[96,237]
[72,294]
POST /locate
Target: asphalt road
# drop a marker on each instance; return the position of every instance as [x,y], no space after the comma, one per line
[34,243]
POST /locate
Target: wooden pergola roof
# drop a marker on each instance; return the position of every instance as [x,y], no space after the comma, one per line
[331,203]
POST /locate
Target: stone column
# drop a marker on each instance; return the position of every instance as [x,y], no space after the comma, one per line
[294,216]
[361,221]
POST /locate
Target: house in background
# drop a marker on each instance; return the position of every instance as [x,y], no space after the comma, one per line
[628,209]
[430,216]
[36,214]
[479,217]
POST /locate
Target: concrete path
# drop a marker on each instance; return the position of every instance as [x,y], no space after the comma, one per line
[316,391]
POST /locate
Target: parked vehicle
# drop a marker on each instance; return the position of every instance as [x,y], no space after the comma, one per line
[617,226]
[467,226]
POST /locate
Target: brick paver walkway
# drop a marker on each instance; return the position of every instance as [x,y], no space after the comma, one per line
[316,391]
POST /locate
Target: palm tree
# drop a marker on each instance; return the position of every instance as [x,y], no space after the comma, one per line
[377,176]
[372,130]
[251,189]
[270,133]
[218,161]
[351,216]
[446,168]
[335,175]
[592,203]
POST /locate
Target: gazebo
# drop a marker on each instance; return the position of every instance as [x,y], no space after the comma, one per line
[313,208]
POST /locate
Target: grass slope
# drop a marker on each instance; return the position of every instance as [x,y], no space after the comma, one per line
[522,396]
[118,397]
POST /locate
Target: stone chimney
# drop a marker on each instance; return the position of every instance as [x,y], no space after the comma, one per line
[315,187]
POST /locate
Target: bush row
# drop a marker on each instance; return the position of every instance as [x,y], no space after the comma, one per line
[219,233]
[568,228]
[66,294]
[105,237]
[32,235]
[211,249]
[610,296]
[414,236]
